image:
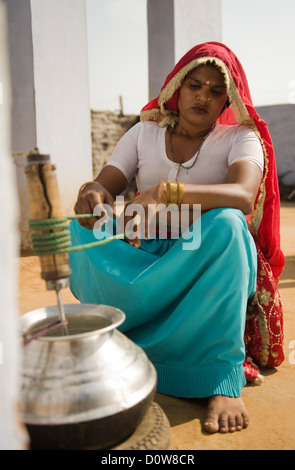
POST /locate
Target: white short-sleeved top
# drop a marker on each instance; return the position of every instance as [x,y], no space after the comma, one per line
[141,152]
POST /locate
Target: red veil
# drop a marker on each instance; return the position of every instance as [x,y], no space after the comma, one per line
[264,325]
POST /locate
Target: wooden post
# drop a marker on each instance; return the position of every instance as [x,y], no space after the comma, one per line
[45,204]
[121,106]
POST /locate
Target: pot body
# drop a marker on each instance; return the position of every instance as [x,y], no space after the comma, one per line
[89,389]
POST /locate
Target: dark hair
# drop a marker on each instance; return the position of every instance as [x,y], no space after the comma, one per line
[227,104]
[211,63]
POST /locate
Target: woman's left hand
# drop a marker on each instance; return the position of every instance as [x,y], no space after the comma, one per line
[139,211]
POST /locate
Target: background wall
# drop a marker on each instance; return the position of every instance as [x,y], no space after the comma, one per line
[281,124]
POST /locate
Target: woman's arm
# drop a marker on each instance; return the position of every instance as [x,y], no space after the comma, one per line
[239,192]
[107,185]
[112,179]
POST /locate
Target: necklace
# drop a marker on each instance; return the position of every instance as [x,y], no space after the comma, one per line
[197,154]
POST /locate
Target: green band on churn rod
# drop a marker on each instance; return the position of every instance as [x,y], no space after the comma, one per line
[53,243]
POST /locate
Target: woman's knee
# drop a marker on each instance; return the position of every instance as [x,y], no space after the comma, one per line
[225,221]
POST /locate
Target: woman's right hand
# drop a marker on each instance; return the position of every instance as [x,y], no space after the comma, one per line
[91,196]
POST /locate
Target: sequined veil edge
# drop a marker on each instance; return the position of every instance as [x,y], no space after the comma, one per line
[264,323]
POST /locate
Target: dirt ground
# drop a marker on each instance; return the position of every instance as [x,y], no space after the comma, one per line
[271,406]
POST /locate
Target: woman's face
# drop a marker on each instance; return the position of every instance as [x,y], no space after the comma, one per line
[202,97]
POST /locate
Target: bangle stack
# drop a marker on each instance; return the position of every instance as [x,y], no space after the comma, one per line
[174,192]
[84,186]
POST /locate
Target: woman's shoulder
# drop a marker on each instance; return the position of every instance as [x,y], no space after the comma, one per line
[144,128]
[236,131]
[146,124]
[149,125]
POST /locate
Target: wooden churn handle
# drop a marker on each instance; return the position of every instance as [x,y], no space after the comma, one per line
[45,203]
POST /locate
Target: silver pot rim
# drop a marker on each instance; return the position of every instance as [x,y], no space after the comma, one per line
[113,314]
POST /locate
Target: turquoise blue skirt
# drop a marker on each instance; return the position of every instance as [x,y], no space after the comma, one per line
[185,302]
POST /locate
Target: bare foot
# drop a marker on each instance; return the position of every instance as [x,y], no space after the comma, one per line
[225,414]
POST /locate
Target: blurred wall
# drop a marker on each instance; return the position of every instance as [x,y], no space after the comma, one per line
[281,124]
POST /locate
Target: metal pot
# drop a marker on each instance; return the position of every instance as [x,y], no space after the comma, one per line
[88,389]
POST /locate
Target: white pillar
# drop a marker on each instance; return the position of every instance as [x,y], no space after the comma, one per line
[174,27]
[51,110]
[160,16]
[11,438]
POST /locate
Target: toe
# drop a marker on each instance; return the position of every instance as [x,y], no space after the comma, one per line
[211,422]
[223,423]
[232,424]
[245,420]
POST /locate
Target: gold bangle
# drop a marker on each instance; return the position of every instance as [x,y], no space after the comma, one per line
[173,192]
[84,186]
[165,191]
[180,193]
